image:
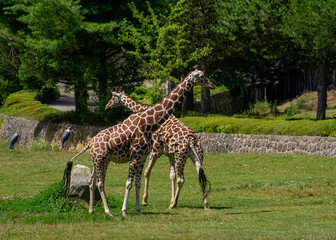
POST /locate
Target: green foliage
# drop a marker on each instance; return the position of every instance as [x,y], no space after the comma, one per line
[252,43]
[148,95]
[160,42]
[51,199]
[25,104]
[39,144]
[48,94]
[267,126]
[260,108]
[9,45]
[294,109]
[311,25]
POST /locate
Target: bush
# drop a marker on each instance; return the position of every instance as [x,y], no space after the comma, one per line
[52,199]
[293,109]
[259,108]
[39,144]
[266,125]
[48,94]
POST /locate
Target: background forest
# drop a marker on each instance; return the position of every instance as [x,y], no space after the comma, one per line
[98,45]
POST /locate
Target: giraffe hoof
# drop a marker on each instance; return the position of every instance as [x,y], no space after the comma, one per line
[144,203]
[109,214]
[172,206]
[206,208]
[124,214]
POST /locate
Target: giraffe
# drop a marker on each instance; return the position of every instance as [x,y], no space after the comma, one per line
[173,139]
[130,141]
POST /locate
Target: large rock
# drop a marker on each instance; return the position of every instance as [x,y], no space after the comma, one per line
[79,184]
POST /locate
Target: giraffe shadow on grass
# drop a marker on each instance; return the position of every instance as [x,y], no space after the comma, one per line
[202,207]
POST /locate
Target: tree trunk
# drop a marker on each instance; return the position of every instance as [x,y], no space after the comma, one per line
[171,86]
[205,98]
[103,94]
[322,92]
[188,102]
[81,97]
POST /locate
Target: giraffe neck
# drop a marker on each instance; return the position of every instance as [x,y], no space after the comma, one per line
[166,107]
[131,104]
[176,96]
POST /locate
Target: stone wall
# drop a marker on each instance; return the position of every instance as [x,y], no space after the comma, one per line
[264,144]
[30,130]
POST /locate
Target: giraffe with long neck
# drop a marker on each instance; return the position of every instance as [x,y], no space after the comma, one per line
[130,141]
[173,139]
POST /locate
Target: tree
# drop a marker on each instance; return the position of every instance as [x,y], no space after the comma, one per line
[311,26]
[61,46]
[201,18]
[54,47]
[160,42]
[10,47]
[253,46]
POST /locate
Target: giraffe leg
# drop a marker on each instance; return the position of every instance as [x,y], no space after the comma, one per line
[92,186]
[172,178]
[179,166]
[154,155]
[129,183]
[137,187]
[100,181]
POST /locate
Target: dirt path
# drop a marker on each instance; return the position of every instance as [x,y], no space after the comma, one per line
[66,102]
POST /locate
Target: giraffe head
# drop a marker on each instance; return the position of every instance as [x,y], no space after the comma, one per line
[198,77]
[115,99]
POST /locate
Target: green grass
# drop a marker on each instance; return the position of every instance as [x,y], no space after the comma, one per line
[266,125]
[24,104]
[253,197]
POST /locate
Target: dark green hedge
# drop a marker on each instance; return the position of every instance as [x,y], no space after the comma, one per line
[272,126]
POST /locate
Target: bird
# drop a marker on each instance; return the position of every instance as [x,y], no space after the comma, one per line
[66,136]
[13,140]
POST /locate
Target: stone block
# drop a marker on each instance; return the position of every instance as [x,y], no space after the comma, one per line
[79,184]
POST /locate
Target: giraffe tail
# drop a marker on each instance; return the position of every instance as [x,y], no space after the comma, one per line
[67,172]
[204,182]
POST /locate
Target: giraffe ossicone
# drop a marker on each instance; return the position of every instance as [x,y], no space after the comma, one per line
[173,139]
[130,141]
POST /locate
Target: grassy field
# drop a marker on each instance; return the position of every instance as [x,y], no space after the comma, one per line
[253,197]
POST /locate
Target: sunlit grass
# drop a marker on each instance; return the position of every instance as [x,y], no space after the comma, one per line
[253,197]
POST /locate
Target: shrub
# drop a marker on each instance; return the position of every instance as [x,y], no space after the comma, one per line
[48,94]
[259,108]
[49,200]
[266,125]
[39,144]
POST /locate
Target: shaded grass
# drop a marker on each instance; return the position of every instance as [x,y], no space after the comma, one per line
[253,197]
